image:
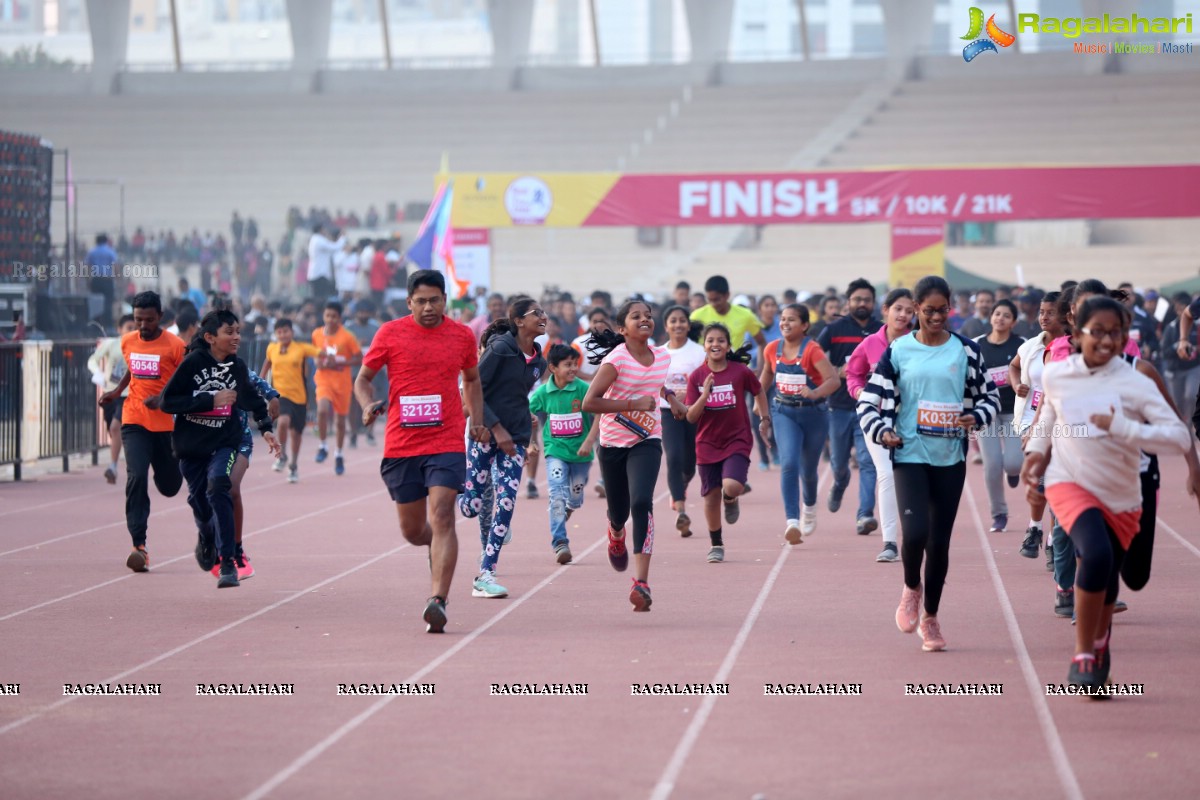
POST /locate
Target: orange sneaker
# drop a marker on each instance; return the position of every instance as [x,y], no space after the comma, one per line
[139,560]
[931,635]
[909,611]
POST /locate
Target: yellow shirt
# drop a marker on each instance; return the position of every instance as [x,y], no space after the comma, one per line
[740,321]
[287,369]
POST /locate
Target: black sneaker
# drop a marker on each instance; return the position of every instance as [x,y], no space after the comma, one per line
[835,499]
[1032,543]
[1050,553]
[435,615]
[229,577]
[1014,481]
[206,554]
[1064,602]
[1084,673]
[531,491]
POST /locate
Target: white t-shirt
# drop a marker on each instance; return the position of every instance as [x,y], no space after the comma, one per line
[345,267]
[684,362]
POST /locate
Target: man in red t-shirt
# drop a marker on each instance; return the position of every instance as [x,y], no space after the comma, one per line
[424,454]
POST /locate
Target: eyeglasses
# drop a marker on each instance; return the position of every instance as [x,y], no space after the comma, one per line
[538,311]
[930,313]
[1114,335]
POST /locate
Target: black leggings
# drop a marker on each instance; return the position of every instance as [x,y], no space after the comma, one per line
[1136,567]
[679,445]
[927,497]
[630,474]
[1100,555]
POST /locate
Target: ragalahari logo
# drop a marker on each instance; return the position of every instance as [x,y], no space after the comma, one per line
[995,36]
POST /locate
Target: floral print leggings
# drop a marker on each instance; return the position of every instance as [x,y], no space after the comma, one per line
[490,493]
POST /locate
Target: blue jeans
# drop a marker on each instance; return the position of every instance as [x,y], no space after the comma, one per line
[210,494]
[843,428]
[800,433]
[567,480]
[1064,557]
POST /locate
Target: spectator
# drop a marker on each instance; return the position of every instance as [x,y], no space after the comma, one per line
[251,230]
[980,323]
[321,250]
[1030,301]
[372,217]
[101,260]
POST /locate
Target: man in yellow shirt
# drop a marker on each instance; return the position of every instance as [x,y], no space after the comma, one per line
[285,364]
[739,320]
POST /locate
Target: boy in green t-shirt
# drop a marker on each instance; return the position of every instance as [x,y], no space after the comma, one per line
[568,436]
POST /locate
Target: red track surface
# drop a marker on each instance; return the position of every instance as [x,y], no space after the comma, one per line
[337,600]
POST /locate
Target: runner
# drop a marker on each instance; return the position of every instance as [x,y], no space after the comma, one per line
[202,394]
[838,340]
[107,366]
[738,320]
[898,314]
[570,438]
[1091,479]
[679,435]
[624,393]
[716,398]
[423,464]
[151,357]
[1025,374]
[928,390]
[795,366]
[598,321]
[363,327]
[768,315]
[510,365]
[284,363]
[339,354]
[999,443]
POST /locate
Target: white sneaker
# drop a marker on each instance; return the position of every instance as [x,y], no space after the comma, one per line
[792,532]
[485,586]
[279,464]
[808,520]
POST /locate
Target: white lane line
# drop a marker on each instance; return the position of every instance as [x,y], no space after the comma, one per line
[73,499]
[126,577]
[1054,744]
[350,725]
[1195,550]
[666,782]
[211,634]
[259,486]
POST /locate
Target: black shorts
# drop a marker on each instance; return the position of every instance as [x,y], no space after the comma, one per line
[296,413]
[409,479]
[113,411]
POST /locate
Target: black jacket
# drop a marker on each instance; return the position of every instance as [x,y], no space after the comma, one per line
[189,396]
[507,380]
[838,340]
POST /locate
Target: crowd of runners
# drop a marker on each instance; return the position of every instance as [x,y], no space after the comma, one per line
[1055,391]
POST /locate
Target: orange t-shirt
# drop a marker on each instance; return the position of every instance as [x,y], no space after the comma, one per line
[151,364]
[341,345]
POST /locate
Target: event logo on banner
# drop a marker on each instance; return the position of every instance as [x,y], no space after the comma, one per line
[995,36]
[528,201]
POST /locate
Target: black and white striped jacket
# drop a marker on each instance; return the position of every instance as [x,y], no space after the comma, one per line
[879,399]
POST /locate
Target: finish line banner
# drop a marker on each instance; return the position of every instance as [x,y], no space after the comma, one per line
[569,200]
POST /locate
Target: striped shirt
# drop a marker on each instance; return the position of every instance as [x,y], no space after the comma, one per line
[627,428]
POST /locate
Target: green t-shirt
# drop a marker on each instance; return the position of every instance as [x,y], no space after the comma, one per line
[566,425]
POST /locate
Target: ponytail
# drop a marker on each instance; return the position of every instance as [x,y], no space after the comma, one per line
[497,328]
[599,345]
[741,355]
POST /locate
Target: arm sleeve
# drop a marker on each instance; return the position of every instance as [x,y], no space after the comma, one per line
[263,388]
[880,396]
[857,368]
[985,398]
[489,364]
[693,386]
[1047,416]
[178,396]
[1163,431]
[752,383]
[825,337]
[535,402]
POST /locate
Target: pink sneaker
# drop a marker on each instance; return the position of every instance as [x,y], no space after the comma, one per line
[909,610]
[245,568]
[931,635]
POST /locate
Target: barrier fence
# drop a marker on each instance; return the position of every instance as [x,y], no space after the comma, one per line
[68,402]
[12,379]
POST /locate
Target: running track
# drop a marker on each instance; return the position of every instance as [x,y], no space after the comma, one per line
[338,597]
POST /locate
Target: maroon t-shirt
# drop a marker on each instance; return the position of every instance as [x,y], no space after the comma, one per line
[724,427]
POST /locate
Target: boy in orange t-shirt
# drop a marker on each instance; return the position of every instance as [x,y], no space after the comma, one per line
[151,356]
[339,353]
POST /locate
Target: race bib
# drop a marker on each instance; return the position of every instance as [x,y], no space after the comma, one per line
[640,423]
[938,419]
[789,384]
[1036,399]
[1135,334]
[218,411]
[420,411]
[998,376]
[144,365]
[566,426]
[677,383]
[721,397]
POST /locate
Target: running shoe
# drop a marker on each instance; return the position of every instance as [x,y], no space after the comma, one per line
[747,488]
[889,553]
[931,635]
[293,475]
[1032,543]
[639,595]
[864,525]
[110,475]
[139,560]
[435,615]
[999,523]
[322,454]
[531,491]
[1120,606]
[683,524]
[835,498]
[732,510]
[909,611]
[600,489]
[1014,481]
[339,466]
[1064,602]
[1084,672]
[716,554]
[977,459]
[1050,552]
[485,586]
[808,520]
[229,574]
[206,554]
[562,553]
[763,466]
[244,568]
[279,464]
[618,555]
[792,532]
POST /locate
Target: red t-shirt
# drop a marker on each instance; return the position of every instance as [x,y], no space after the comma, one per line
[381,272]
[724,427]
[423,366]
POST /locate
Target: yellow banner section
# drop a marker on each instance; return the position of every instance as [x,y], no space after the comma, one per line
[906,270]
[505,199]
